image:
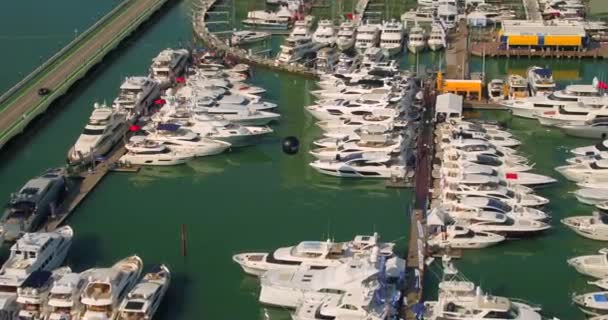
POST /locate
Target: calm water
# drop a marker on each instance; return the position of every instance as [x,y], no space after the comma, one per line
[255,198]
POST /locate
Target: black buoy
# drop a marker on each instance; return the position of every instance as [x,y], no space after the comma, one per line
[291,145]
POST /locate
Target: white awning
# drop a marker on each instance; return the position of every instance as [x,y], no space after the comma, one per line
[450,104]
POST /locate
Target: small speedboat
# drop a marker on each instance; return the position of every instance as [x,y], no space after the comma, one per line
[592,265]
[594,129]
[593,304]
[245,37]
[455,236]
[593,227]
[591,196]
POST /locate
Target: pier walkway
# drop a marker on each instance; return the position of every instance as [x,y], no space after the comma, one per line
[422,182]
[457,54]
[22,103]
[532,10]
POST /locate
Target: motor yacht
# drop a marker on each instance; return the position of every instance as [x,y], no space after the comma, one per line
[316,254]
[295,49]
[460,237]
[593,129]
[380,144]
[581,171]
[246,37]
[531,180]
[591,196]
[63,299]
[593,227]
[327,59]
[498,192]
[169,64]
[107,287]
[301,29]
[325,35]
[352,124]
[447,12]
[286,288]
[416,41]
[368,35]
[106,126]
[592,150]
[362,165]
[136,95]
[347,65]
[33,293]
[573,114]
[502,165]
[465,206]
[437,37]
[575,92]
[185,141]
[480,180]
[391,38]
[351,109]
[32,205]
[420,14]
[517,87]
[531,107]
[501,224]
[496,90]
[498,140]
[142,302]
[346,36]
[540,81]
[41,251]
[592,304]
[592,265]
[151,153]
[245,117]
[479,147]
[260,19]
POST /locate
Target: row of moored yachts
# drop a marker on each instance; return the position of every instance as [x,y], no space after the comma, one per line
[360,279]
[36,286]
[184,113]
[369,118]
[483,192]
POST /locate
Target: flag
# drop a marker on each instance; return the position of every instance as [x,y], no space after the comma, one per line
[160,102]
[602,85]
[180,80]
[350,16]
[511,176]
[134,128]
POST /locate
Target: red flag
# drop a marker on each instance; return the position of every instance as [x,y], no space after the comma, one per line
[602,85]
[160,102]
[180,80]
[549,113]
[511,176]
[350,16]
[134,128]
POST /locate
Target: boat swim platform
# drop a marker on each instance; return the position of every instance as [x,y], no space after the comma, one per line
[22,103]
[88,181]
[494,50]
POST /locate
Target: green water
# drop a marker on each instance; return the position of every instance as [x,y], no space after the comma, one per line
[255,198]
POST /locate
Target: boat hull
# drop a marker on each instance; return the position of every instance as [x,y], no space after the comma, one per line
[589,133]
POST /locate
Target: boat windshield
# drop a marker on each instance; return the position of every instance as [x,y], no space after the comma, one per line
[92,132]
[601,147]
[498,205]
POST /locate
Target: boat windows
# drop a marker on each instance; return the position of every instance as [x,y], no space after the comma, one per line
[601,147]
[349,307]
[552,96]
[596,166]
[468,235]
[332,291]
[562,110]
[93,132]
[9,289]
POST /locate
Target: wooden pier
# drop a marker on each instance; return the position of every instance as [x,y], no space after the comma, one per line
[415,266]
[24,101]
[494,50]
[457,53]
[87,182]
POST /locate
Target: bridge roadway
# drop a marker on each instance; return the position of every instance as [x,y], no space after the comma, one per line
[23,103]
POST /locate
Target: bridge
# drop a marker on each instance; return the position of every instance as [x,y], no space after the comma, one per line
[23,102]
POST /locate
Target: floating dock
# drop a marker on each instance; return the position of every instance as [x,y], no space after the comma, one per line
[22,103]
[422,181]
[457,53]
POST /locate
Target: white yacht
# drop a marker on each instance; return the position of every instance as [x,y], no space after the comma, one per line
[280,20]
[246,37]
[575,92]
[581,171]
[362,165]
[144,299]
[592,304]
[316,254]
[63,299]
[391,37]
[150,153]
[540,81]
[498,140]
[325,35]
[448,14]
[517,87]
[499,223]
[327,59]
[41,251]
[591,196]
[380,144]
[350,125]
[33,293]
[347,33]
[496,90]
[592,265]
[458,169]
[466,207]
[496,191]
[347,65]
[592,150]
[531,107]
[107,287]
[592,129]
[287,288]
[456,236]
[245,117]
[294,49]
[169,64]
[106,126]
[573,114]
[368,35]
[437,37]
[502,165]
[593,227]
[136,95]
[185,141]
[416,41]
[301,29]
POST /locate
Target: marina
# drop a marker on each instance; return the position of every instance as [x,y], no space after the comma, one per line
[132,208]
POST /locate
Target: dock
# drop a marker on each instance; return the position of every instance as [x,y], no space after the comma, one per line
[532,10]
[23,102]
[494,50]
[87,182]
[457,53]
[415,260]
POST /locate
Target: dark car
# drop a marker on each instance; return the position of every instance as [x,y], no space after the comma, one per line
[44,91]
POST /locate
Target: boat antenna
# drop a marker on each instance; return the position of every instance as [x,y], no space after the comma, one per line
[329,229]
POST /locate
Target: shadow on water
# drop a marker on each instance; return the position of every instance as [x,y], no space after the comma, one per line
[84,248]
[173,303]
[13,147]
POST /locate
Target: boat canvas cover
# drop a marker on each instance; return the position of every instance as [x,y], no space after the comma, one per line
[168,126]
[449,104]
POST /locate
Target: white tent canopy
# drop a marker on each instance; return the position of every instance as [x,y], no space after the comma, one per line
[449,104]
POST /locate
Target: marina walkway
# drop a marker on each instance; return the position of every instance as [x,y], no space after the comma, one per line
[532,10]
[457,54]
[22,103]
